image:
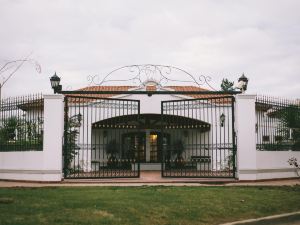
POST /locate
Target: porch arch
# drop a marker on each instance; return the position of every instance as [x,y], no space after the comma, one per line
[151,121]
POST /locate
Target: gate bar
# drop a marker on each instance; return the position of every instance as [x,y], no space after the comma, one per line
[152,92]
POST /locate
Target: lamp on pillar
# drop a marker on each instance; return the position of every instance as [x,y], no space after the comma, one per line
[222,120]
[79,118]
[243,83]
[55,83]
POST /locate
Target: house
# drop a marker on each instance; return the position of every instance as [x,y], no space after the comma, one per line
[277,123]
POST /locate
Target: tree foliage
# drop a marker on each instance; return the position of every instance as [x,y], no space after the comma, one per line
[178,148]
[227,85]
[17,130]
[289,124]
[70,147]
[8,129]
[112,148]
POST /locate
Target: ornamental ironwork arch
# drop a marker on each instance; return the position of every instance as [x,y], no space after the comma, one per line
[143,73]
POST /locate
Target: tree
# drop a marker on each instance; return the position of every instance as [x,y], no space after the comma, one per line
[8,130]
[227,85]
[71,132]
[9,68]
[178,150]
[112,149]
[289,124]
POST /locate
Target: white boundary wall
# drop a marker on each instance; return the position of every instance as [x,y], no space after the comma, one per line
[46,165]
[43,165]
[253,164]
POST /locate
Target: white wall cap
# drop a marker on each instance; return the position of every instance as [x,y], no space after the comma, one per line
[53,96]
[244,96]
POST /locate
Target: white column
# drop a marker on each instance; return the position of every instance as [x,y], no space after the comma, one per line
[53,136]
[246,143]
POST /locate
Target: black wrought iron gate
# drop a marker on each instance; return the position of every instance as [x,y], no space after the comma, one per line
[202,137]
[94,143]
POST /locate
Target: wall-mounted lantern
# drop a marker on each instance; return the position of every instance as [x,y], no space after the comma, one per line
[222,120]
[79,118]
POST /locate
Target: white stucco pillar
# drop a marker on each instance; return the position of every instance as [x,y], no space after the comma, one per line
[53,136]
[246,143]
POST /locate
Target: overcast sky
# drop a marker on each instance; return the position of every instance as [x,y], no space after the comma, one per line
[216,38]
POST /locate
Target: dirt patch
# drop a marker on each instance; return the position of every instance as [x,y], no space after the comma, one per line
[103,214]
[6,200]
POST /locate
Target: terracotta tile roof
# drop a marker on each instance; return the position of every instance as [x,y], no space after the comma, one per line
[194,88]
[127,88]
[99,88]
[106,88]
[188,88]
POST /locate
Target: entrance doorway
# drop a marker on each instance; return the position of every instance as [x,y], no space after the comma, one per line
[145,146]
[155,139]
[154,148]
[134,143]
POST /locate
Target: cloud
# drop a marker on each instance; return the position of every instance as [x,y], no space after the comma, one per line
[217,38]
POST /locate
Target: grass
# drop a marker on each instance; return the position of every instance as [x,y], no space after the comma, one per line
[143,205]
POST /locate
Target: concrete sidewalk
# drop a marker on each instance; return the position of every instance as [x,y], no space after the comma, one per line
[152,178]
[281,219]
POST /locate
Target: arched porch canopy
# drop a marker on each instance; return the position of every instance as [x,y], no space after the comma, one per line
[151,121]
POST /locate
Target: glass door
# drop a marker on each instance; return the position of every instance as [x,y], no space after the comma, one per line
[134,145]
[155,147]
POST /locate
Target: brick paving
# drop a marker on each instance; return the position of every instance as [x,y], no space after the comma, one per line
[152,178]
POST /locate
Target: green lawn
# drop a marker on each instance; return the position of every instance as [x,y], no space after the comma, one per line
[143,205]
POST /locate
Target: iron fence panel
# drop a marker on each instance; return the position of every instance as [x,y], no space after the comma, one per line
[202,142]
[21,123]
[94,141]
[277,124]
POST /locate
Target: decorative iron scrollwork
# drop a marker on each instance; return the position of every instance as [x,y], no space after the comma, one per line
[158,74]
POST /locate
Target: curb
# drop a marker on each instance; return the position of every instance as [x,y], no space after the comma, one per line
[262,218]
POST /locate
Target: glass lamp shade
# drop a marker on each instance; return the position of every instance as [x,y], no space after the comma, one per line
[55,80]
[243,82]
[79,117]
[222,119]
